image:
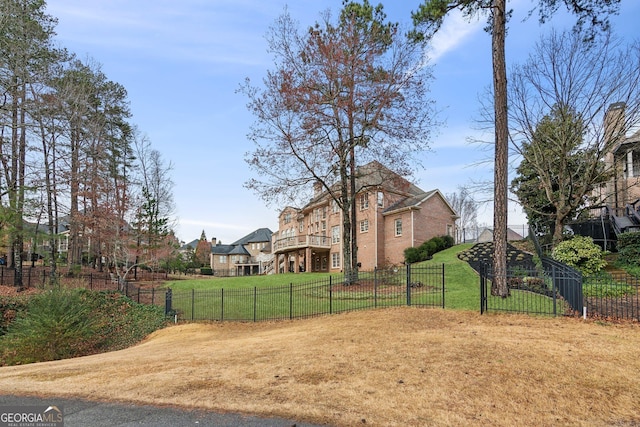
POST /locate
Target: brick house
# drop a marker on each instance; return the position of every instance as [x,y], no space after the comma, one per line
[392,214]
[249,255]
[623,158]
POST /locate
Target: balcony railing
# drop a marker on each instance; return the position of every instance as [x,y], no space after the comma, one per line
[298,242]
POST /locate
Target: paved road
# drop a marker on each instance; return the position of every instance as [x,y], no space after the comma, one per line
[84,413]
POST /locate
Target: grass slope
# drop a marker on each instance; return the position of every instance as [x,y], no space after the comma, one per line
[461,282]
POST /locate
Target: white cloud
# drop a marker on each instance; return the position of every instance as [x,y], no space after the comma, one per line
[454,31]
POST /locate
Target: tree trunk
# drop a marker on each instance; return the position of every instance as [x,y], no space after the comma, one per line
[499,284]
[74,232]
[346,221]
[354,225]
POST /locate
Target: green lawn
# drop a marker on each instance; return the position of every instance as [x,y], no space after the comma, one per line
[462,284]
[244,282]
[461,292]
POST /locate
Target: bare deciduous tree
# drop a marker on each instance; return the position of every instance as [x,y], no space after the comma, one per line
[467,209]
[341,95]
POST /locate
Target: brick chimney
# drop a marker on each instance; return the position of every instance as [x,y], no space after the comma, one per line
[317,188]
[614,124]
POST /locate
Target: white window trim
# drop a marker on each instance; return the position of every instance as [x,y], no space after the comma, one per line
[395,226]
[335,260]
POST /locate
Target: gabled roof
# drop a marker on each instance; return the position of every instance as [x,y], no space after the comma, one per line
[192,244]
[239,250]
[229,250]
[414,202]
[259,235]
[374,174]
[221,249]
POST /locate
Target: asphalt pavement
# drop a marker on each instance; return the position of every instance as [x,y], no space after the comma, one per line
[85,413]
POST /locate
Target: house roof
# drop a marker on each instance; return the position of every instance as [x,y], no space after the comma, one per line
[192,244]
[374,174]
[239,250]
[229,250]
[259,235]
[221,249]
[414,202]
[487,235]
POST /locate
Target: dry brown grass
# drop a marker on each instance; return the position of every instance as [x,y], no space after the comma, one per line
[401,366]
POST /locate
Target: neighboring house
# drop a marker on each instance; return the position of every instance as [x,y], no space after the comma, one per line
[249,255]
[487,236]
[392,214]
[191,246]
[623,158]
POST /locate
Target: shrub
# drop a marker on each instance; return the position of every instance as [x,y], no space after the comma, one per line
[56,325]
[206,271]
[412,255]
[426,250]
[66,323]
[580,252]
[629,249]
[9,309]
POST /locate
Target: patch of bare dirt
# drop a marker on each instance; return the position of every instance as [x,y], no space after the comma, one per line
[392,367]
[13,291]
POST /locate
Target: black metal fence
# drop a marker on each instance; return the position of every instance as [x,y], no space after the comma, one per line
[407,285]
[612,296]
[557,289]
[533,291]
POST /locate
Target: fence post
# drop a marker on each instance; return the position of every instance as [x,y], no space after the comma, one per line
[290,301]
[555,288]
[375,287]
[221,304]
[443,284]
[255,302]
[483,289]
[408,267]
[193,303]
[167,301]
[330,297]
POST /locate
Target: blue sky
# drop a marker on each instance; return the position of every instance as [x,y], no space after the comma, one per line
[182,62]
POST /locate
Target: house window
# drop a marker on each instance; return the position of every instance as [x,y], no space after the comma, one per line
[335,260]
[334,206]
[324,225]
[398,227]
[364,226]
[364,201]
[335,234]
[301,226]
[380,199]
[234,259]
[636,163]
[287,218]
[449,230]
[324,212]
[223,259]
